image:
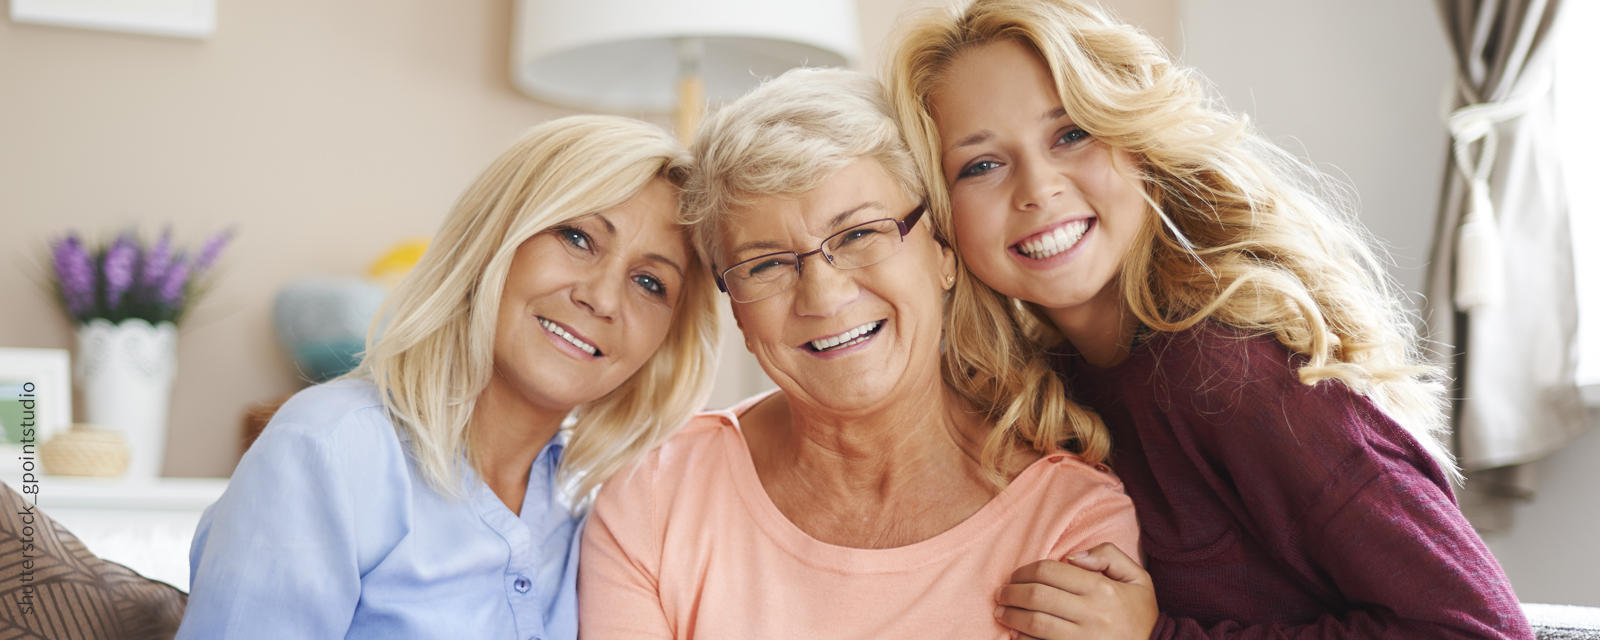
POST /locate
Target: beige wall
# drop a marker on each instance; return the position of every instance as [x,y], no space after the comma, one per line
[324,131]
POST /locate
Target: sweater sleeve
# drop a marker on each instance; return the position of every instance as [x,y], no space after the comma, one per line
[618,588]
[1341,493]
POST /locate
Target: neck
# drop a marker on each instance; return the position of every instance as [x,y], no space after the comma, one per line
[891,476]
[1101,329]
[507,434]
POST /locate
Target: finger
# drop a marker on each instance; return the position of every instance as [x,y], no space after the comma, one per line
[1108,559]
[1060,575]
[1033,623]
[1035,597]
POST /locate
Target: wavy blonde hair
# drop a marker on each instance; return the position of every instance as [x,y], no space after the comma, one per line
[1240,230]
[431,353]
[796,131]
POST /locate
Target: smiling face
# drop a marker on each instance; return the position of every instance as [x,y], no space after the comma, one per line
[588,301]
[1041,212]
[842,340]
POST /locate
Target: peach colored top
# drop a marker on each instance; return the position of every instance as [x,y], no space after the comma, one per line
[687,544]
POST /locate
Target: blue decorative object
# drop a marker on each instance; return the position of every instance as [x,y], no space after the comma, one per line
[322,323]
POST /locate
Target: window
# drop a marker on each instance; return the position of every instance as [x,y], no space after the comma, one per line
[1577,98]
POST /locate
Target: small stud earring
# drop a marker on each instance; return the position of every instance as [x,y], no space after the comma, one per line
[949,279]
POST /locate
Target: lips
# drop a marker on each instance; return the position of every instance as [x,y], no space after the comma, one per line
[1051,242]
[569,335]
[847,339]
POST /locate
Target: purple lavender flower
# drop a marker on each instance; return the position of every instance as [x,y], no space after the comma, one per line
[171,292]
[119,264]
[212,248]
[157,262]
[75,274]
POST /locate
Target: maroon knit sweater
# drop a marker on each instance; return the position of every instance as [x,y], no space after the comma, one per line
[1272,509]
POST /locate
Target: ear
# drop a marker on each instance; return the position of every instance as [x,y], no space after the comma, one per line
[947,267]
[733,307]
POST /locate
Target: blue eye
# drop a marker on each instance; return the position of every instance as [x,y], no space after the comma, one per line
[765,268]
[854,235]
[978,168]
[651,284]
[1072,136]
[578,239]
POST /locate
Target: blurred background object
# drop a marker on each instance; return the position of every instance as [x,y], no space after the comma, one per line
[658,55]
[322,323]
[85,451]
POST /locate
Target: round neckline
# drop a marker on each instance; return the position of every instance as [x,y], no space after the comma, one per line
[851,560]
[1137,352]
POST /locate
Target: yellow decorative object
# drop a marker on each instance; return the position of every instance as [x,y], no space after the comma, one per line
[398,261]
[85,451]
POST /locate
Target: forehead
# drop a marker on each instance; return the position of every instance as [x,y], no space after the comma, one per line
[995,81]
[780,220]
[647,222]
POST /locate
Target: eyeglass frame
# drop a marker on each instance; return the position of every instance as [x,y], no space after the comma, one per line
[905,224]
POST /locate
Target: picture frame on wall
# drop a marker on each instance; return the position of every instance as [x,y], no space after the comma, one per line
[195,19]
[36,394]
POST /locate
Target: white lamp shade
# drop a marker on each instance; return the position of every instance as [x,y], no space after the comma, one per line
[621,55]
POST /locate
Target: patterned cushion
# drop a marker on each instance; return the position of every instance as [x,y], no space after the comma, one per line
[52,587]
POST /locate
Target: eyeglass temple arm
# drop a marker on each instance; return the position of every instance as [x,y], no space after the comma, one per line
[911,219]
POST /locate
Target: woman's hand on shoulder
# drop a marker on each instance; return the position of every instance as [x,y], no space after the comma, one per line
[1100,594]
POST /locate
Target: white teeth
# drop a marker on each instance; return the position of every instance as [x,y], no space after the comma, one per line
[847,338]
[1050,244]
[556,329]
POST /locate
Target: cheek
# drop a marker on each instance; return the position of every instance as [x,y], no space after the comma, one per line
[649,331]
[978,241]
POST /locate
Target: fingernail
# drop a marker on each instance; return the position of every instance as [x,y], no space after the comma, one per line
[999,611]
[1013,634]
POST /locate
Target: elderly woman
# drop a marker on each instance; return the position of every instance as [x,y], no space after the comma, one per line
[880,492]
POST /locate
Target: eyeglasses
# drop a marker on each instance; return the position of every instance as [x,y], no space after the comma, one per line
[863,245]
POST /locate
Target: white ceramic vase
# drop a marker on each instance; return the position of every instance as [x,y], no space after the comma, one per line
[125,371]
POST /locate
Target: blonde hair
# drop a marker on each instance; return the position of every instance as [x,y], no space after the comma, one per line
[431,354]
[1241,231]
[795,131]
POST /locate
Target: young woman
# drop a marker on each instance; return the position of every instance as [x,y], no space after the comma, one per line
[1205,297]
[432,493]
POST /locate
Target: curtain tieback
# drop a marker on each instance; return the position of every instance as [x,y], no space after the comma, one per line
[1480,258]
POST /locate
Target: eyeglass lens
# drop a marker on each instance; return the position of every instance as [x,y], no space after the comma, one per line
[859,246]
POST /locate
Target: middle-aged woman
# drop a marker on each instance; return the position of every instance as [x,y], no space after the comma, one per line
[431,495]
[867,497]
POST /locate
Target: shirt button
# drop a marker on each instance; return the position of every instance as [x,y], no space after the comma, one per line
[522,585]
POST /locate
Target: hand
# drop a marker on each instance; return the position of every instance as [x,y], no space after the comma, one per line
[1102,594]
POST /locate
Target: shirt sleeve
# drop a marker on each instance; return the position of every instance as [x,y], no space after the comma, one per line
[618,580]
[1338,490]
[1105,515]
[277,556]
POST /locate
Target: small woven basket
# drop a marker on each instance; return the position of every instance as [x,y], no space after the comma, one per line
[85,451]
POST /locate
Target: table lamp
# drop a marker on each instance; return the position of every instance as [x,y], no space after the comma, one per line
[657,55]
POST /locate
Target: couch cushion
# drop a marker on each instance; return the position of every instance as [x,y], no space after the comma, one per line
[1563,622]
[52,587]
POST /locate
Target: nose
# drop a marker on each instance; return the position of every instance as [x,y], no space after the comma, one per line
[601,292]
[823,289]
[1037,183]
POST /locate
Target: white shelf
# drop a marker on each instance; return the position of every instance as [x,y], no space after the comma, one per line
[173,494]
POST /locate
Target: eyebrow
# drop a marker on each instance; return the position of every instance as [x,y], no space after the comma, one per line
[833,223]
[656,257]
[610,228]
[986,135]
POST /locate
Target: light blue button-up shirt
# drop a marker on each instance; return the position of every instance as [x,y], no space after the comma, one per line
[328,531]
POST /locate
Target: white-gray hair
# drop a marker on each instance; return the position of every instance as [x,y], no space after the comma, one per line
[785,138]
